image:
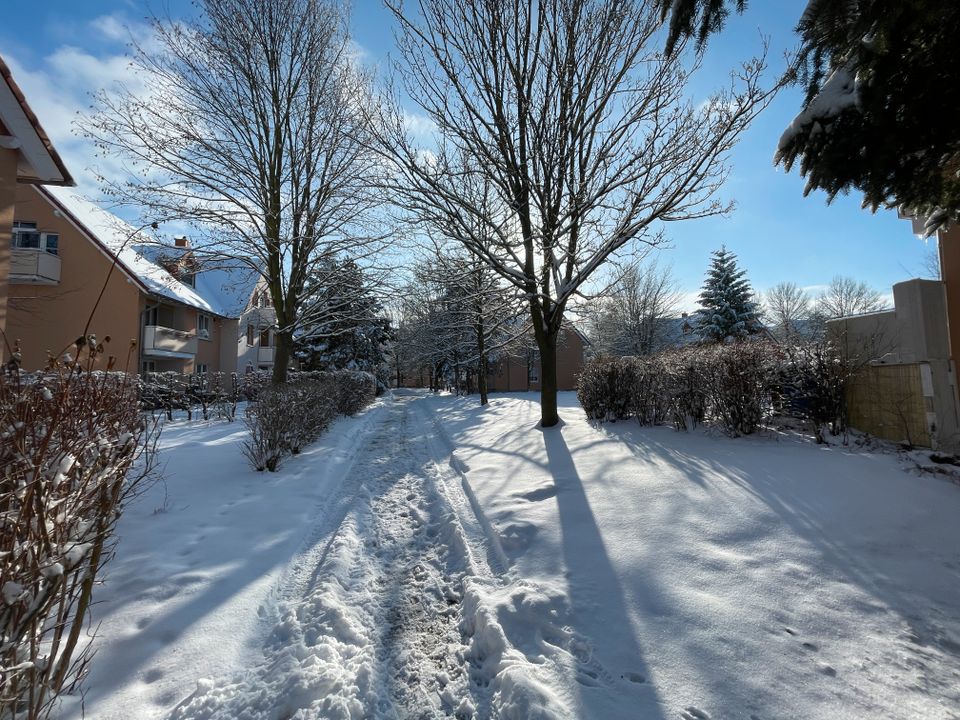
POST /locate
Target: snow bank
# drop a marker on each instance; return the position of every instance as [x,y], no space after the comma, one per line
[491,615]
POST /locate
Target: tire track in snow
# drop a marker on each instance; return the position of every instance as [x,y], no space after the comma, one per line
[369,624]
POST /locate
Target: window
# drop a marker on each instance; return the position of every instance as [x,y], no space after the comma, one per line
[189,279]
[262,299]
[26,236]
[250,334]
[203,326]
[265,337]
[149,366]
[150,316]
[201,368]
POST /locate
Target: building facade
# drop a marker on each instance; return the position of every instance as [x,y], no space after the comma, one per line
[520,370]
[27,158]
[76,269]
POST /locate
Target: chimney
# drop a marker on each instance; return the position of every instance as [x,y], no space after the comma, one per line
[181,241]
[684,315]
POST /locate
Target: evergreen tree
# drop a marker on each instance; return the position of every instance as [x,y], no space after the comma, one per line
[880,113]
[874,71]
[343,320]
[727,308]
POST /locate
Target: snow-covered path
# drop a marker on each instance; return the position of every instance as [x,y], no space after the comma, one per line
[368,622]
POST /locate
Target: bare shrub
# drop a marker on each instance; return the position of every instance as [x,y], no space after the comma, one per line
[74,449]
[593,388]
[812,385]
[286,418]
[738,381]
[729,384]
[267,421]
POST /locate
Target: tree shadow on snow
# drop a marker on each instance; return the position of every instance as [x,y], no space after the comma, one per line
[596,593]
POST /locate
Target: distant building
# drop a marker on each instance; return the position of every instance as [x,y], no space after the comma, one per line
[520,370]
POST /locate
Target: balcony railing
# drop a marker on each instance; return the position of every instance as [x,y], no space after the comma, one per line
[166,342]
[29,265]
[264,355]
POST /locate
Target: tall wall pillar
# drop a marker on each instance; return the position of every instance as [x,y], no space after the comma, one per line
[949,247]
[8,200]
[948,242]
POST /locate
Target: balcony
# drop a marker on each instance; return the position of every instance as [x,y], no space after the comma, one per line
[30,265]
[166,342]
[264,355]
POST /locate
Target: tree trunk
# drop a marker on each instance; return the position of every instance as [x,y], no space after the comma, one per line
[548,380]
[482,369]
[281,357]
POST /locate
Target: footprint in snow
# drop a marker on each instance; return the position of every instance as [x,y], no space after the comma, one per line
[694,713]
[634,677]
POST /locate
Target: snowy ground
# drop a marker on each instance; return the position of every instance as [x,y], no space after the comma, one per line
[431,558]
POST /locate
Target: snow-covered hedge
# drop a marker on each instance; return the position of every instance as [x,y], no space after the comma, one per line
[70,440]
[208,394]
[286,418]
[734,385]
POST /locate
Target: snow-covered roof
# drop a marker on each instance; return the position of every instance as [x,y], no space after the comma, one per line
[220,292]
[219,280]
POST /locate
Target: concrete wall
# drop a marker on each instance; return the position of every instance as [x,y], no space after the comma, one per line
[51,317]
[910,389]
[949,248]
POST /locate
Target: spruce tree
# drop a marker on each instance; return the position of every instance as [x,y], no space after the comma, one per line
[727,308]
[882,98]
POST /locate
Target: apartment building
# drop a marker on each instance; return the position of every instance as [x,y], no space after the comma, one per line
[76,268]
[27,158]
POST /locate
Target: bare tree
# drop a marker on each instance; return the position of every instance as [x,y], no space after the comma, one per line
[631,318]
[476,299]
[845,296]
[787,308]
[249,129]
[931,261]
[580,125]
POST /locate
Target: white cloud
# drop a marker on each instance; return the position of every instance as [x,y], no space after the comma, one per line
[689,301]
[112,27]
[420,126]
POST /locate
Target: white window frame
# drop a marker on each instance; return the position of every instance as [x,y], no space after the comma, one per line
[201,369]
[203,326]
[21,227]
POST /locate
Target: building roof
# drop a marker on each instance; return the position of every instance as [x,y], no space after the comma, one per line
[220,281]
[20,130]
[219,292]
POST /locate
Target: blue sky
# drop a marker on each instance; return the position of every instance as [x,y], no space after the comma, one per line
[62,50]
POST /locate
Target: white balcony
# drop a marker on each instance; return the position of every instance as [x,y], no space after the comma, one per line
[29,265]
[264,355]
[166,342]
